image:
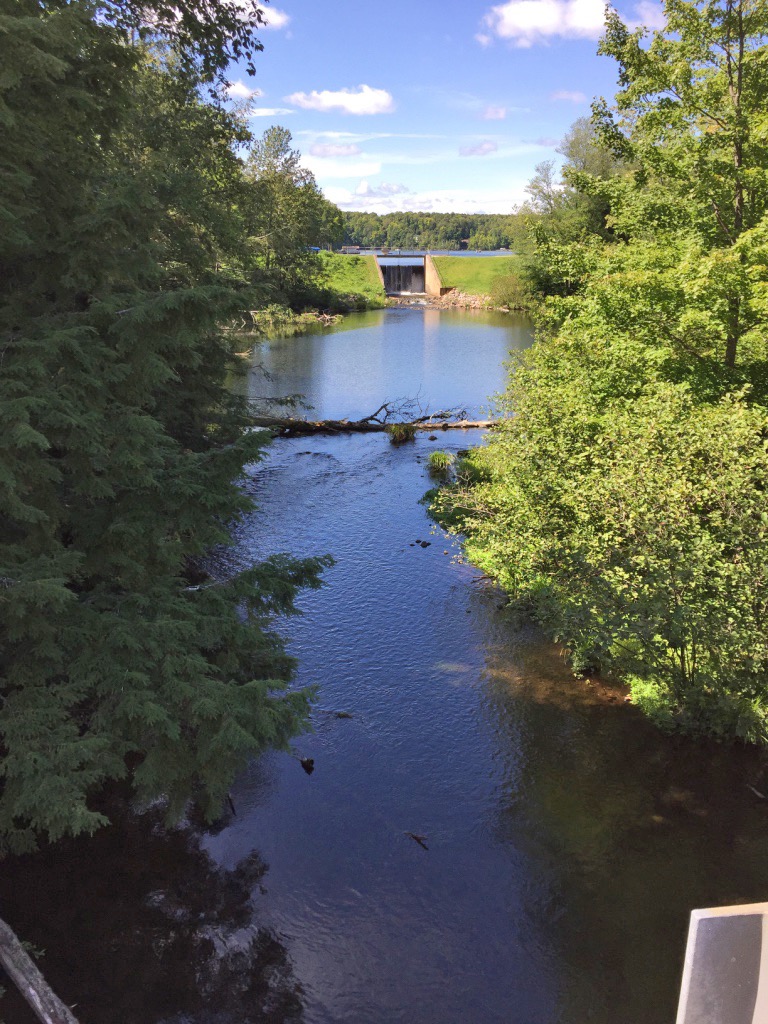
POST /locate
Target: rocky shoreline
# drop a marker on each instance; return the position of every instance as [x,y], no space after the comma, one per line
[451,300]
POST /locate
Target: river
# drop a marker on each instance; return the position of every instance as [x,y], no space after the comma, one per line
[566,840]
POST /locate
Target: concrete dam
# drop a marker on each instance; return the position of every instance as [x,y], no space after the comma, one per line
[409,275]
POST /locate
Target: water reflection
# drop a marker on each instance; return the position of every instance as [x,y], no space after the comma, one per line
[442,358]
[567,840]
[625,829]
[140,926]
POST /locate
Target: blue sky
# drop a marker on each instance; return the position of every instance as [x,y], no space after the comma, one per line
[429,104]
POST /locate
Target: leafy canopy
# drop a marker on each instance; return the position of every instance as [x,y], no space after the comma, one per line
[623,499]
[123,252]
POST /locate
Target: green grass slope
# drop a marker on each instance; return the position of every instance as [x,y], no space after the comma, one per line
[474,275]
[354,280]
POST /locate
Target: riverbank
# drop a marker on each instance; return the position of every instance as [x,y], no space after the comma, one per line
[475,275]
[546,806]
[453,300]
[352,282]
[281,322]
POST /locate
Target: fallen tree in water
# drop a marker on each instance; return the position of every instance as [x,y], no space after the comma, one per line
[378,422]
[21,970]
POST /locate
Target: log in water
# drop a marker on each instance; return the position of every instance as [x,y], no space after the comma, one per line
[23,972]
[566,839]
[289,426]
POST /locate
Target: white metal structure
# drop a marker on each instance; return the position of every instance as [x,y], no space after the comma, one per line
[725,978]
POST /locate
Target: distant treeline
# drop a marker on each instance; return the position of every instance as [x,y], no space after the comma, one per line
[432,230]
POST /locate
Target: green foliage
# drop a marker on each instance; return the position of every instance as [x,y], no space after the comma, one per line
[623,501]
[637,529]
[447,231]
[471,468]
[512,291]
[288,218]
[447,504]
[121,447]
[206,37]
[351,282]
[690,115]
[401,433]
[440,463]
[569,217]
[562,208]
[276,321]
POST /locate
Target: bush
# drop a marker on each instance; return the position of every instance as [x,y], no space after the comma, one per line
[512,291]
[638,532]
[400,433]
[471,469]
[439,463]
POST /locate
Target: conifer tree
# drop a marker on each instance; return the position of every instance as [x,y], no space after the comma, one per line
[120,445]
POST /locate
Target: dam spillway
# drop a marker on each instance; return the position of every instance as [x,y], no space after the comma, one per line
[405,274]
[403,278]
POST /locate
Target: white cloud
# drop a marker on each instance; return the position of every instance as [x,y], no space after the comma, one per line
[395,162]
[312,133]
[458,200]
[386,188]
[470,102]
[325,168]
[335,149]
[269,111]
[240,91]
[363,100]
[566,94]
[274,19]
[650,14]
[480,149]
[525,22]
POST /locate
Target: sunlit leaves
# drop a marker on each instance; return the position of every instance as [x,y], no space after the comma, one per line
[122,445]
[624,500]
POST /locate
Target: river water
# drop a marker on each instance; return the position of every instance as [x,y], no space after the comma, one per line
[566,840]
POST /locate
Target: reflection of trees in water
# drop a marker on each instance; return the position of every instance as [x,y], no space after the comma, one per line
[139,926]
[623,831]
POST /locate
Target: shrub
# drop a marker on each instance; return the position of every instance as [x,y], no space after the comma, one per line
[471,470]
[439,463]
[512,291]
[400,433]
[639,533]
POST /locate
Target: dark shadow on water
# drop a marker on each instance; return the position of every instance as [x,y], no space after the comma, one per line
[567,840]
[139,926]
[624,831]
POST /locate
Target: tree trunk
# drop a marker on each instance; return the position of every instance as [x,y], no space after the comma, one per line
[289,427]
[734,331]
[21,969]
